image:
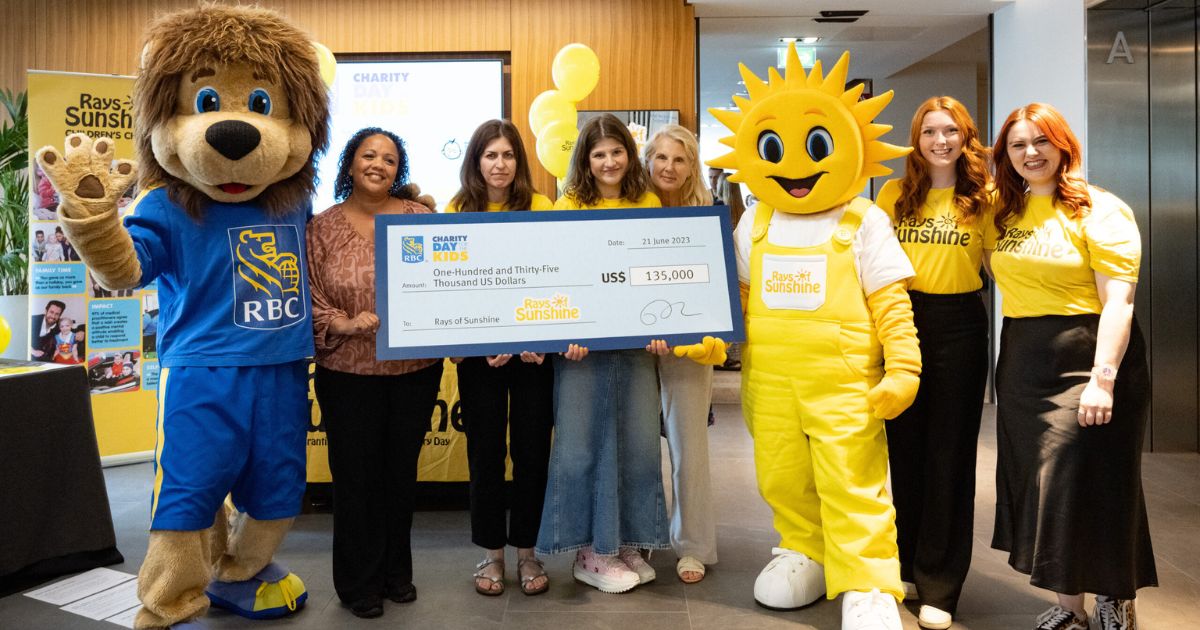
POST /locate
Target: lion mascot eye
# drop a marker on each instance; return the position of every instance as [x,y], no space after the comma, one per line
[819,144]
[770,147]
[207,100]
[260,102]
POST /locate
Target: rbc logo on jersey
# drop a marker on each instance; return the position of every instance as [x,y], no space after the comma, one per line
[267,276]
[412,249]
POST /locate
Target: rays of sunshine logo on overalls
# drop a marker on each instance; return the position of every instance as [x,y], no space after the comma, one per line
[412,249]
[267,280]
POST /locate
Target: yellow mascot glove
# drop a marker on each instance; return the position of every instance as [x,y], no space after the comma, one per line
[710,351]
[891,311]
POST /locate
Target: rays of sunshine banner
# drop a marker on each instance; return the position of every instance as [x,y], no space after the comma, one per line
[113,334]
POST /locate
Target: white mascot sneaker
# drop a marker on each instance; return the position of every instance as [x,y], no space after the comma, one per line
[790,580]
[870,611]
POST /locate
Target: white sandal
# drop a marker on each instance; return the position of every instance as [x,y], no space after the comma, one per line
[689,564]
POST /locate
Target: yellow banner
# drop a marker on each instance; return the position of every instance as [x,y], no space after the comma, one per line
[110,334]
[113,335]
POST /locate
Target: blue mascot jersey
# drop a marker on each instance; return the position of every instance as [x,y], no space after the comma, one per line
[233,289]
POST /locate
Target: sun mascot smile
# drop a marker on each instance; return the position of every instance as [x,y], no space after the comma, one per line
[804,144]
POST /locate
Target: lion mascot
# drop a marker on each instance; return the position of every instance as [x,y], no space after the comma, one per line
[230,113]
[831,347]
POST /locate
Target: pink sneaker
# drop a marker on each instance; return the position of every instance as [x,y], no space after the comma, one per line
[633,559]
[606,573]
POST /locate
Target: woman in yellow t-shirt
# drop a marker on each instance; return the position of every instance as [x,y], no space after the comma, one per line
[604,499]
[940,209]
[507,405]
[1072,380]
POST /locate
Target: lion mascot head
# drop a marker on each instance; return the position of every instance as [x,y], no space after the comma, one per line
[229,106]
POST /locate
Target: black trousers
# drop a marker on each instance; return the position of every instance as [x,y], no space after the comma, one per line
[507,410]
[376,427]
[932,447]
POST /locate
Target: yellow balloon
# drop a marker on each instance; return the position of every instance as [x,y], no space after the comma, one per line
[576,71]
[554,147]
[327,63]
[5,333]
[548,107]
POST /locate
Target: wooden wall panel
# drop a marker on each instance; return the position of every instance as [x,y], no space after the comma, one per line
[646,47]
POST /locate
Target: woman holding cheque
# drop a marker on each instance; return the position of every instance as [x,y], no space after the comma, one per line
[376,412]
[507,404]
[673,159]
[604,499]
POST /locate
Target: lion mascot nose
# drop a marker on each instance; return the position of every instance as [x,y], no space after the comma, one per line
[233,138]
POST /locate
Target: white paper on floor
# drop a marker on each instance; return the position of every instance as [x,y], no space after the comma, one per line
[107,603]
[80,586]
[125,618]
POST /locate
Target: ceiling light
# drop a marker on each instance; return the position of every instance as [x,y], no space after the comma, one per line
[799,40]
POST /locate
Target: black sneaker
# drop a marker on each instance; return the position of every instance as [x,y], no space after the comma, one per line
[367,607]
[1114,614]
[401,594]
[1059,618]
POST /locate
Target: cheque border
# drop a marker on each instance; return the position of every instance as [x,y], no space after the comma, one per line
[382,222]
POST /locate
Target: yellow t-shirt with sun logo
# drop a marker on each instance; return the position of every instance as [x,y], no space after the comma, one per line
[1045,262]
[647,200]
[946,250]
[538,202]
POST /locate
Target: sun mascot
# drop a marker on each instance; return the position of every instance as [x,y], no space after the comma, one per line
[831,348]
[230,115]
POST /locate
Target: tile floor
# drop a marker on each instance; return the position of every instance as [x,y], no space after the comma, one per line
[995,597]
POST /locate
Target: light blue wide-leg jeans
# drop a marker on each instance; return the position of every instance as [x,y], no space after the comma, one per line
[605,481]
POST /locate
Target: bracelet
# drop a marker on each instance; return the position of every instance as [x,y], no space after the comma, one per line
[1105,373]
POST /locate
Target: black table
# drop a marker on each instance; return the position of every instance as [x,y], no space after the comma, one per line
[55,514]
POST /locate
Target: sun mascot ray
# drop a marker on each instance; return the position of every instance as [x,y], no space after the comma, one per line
[831,348]
[809,126]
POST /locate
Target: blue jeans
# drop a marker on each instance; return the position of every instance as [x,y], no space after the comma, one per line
[605,482]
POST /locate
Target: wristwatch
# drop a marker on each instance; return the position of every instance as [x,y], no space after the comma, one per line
[1105,373]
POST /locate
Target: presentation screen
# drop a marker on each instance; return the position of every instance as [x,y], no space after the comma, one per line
[433,106]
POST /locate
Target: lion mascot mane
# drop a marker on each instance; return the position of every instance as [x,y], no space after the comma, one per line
[230,114]
[831,347]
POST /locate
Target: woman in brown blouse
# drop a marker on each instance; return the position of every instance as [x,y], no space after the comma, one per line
[376,412]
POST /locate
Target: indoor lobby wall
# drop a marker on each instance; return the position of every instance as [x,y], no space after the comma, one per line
[646,47]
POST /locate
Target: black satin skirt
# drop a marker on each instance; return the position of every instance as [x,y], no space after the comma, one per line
[1069,503]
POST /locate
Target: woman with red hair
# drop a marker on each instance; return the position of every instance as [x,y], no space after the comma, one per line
[1072,379]
[940,208]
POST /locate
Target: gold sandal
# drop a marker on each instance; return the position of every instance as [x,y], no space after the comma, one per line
[526,580]
[490,592]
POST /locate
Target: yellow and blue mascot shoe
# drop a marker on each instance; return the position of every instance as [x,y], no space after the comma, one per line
[273,592]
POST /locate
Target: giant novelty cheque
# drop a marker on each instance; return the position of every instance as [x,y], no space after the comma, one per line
[461,284]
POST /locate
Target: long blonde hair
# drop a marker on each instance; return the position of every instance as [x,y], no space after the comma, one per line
[694,192]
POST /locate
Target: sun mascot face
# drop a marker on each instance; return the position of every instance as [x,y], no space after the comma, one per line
[805,144]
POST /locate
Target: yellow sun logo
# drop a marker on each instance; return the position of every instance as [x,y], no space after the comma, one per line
[805,144]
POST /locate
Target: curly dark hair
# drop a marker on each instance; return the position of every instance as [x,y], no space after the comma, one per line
[344,185]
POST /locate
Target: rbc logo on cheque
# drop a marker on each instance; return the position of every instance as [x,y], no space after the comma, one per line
[267,277]
[412,249]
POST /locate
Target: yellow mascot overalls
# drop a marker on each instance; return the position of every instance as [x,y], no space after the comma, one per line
[824,362]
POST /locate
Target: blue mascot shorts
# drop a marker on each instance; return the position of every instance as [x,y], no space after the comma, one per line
[229,430]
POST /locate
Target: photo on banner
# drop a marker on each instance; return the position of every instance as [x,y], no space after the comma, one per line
[100,330]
